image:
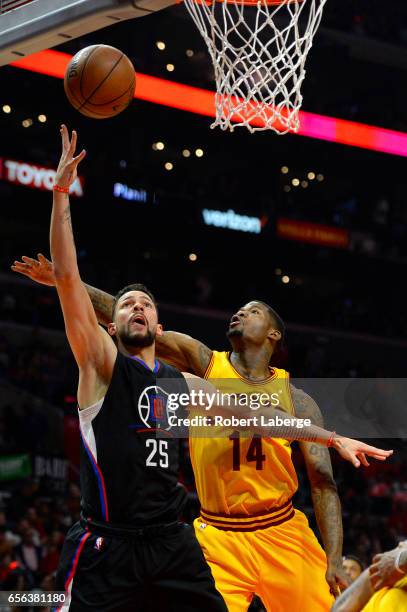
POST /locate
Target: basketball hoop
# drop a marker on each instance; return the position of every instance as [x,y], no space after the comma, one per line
[258,49]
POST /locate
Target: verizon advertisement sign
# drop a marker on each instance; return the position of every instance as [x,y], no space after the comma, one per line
[36,177]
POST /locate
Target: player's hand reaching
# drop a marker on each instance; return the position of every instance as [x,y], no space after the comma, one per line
[67,167]
[39,270]
[356,452]
[336,577]
[383,571]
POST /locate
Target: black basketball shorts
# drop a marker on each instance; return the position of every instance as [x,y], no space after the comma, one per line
[160,569]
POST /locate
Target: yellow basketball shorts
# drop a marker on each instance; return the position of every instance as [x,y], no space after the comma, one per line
[284,565]
[388,600]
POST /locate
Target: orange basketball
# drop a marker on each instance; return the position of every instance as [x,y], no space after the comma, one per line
[99,81]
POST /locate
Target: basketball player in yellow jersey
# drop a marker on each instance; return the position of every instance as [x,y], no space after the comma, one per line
[251,535]
[380,588]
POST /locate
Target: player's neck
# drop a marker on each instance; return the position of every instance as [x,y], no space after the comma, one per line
[146,354]
[251,362]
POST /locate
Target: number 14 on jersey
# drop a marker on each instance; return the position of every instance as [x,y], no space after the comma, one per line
[253,454]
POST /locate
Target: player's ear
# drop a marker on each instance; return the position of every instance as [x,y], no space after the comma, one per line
[111,329]
[274,335]
[160,330]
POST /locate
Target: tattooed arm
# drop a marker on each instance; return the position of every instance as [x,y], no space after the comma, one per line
[184,352]
[102,302]
[356,596]
[324,493]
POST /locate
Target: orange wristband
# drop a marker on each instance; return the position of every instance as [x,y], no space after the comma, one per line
[331,439]
[60,189]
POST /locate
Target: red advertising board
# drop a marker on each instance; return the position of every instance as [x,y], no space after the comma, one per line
[34,176]
[315,233]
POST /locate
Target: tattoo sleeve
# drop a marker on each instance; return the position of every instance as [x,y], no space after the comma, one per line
[102,303]
[324,493]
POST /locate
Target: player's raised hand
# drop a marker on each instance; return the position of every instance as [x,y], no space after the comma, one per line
[39,270]
[356,452]
[67,167]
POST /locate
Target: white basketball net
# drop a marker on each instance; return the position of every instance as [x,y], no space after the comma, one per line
[258,53]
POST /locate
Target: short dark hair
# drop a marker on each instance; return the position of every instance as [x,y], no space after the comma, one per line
[133,287]
[277,320]
[355,559]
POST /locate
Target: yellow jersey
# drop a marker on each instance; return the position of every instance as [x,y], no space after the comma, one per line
[244,483]
[389,600]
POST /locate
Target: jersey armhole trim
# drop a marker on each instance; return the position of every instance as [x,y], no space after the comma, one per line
[88,414]
[210,366]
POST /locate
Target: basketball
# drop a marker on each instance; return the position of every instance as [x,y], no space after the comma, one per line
[99,81]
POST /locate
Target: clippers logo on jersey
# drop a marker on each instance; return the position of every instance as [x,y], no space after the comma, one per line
[153,408]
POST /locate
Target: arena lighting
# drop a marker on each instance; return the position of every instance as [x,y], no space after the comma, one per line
[201,102]
[284,170]
[295,182]
[285,279]
[170,67]
[160,45]
[168,166]
[7,109]
[193,256]
[311,176]
[160,146]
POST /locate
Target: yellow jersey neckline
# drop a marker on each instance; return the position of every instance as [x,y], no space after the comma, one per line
[264,381]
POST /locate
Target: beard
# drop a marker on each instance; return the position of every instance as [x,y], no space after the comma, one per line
[234,333]
[137,340]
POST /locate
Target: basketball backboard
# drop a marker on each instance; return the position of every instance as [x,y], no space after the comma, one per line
[30,26]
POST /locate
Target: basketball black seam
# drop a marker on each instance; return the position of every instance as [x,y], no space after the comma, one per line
[114,99]
[94,111]
[75,98]
[101,83]
[83,70]
[89,104]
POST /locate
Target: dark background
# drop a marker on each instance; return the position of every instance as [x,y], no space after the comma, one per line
[345,309]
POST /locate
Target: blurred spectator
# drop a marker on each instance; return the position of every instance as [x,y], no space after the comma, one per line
[353,566]
[29,555]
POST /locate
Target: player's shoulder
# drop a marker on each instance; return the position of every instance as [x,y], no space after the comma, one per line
[304,404]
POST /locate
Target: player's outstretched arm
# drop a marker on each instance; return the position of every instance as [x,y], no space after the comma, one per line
[356,595]
[92,347]
[180,350]
[41,270]
[266,424]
